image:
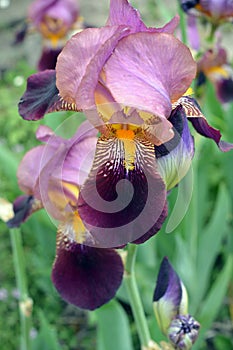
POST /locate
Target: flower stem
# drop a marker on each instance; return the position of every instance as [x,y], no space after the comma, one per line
[25,303]
[183,25]
[134,297]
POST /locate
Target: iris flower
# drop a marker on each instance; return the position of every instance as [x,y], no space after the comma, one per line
[213,65]
[170,303]
[54,20]
[130,81]
[216,11]
[50,175]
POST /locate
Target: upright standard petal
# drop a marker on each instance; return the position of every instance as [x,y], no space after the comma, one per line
[124,197]
[122,13]
[84,276]
[81,61]
[151,80]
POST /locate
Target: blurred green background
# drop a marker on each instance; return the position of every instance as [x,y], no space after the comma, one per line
[200,247]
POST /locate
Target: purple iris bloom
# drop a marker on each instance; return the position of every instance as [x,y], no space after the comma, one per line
[170,303]
[54,20]
[214,66]
[51,175]
[215,10]
[131,82]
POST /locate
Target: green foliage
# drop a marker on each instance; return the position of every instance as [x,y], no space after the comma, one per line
[113,328]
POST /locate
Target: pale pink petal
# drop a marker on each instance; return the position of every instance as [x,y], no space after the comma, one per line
[122,13]
[81,61]
[148,70]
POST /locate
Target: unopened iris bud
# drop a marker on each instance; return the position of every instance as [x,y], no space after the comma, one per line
[170,296]
[183,332]
[171,309]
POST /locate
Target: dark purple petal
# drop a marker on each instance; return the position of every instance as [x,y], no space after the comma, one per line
[48,59]
[84,276]
[187,5]
[224,89]
[124,195]
[199,122]
[23,207]
[40,96]
[155,228]
[21,33]
[168,284]
[170,296]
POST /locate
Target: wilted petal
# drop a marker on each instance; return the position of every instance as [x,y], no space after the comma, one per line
[81,61]
[40,97]
[84,276]
[170,296]
[183,332]
[151,81]
[198,120]
[174,157]
[124,195]
[23,207]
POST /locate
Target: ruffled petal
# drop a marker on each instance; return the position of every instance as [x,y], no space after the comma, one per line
[122,13]
[81,61]
[124,195]
[174,157]
[164,77]
[40,97]
[199,122]
[84,276]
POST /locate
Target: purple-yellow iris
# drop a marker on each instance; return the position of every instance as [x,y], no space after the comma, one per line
[130,81]
[54,20]
[215,10]
[51,176]
[213,65]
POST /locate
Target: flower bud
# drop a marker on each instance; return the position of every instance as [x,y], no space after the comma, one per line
[183,332]
[170,296]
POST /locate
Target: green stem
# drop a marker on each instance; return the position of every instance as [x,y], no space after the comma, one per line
[134,297]
[25,303]
[182,24]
